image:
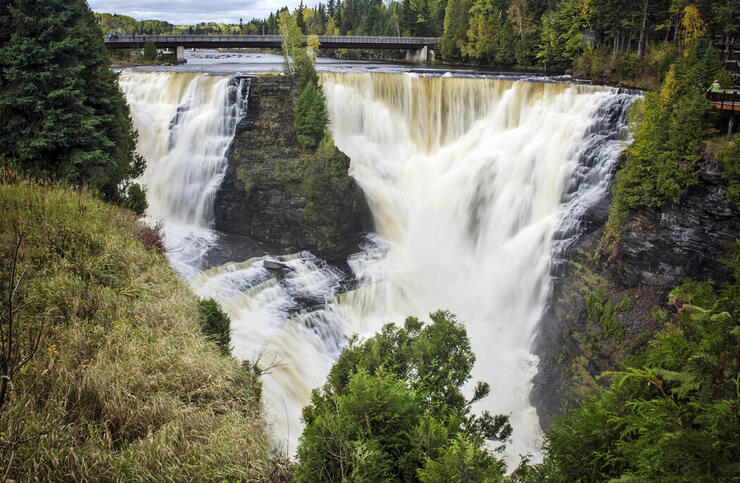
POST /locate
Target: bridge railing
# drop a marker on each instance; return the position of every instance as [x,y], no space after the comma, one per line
[257,39]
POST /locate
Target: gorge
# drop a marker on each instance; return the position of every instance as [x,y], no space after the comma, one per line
[477,189]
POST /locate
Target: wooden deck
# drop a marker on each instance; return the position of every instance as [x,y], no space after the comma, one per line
[725,99]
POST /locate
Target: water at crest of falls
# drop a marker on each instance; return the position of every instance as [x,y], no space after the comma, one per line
[474,184]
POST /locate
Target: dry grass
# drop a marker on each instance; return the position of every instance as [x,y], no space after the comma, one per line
[124,386]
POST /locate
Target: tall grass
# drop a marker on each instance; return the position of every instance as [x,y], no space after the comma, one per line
[124,386]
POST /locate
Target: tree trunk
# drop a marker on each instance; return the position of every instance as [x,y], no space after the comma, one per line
[642,30]
[614,51]
[668,30]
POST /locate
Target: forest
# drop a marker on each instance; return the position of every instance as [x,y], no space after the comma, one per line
[595,38]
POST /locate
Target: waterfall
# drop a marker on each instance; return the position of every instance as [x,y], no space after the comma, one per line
[475,185]
[468,181]
[185,123]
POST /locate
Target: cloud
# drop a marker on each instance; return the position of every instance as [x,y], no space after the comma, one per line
[182,12]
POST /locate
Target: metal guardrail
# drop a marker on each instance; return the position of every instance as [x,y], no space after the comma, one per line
[246,40]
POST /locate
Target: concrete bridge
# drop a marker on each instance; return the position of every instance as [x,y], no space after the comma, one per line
[418,47]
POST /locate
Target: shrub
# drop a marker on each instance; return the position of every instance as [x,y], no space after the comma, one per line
[215,323]
[136,199]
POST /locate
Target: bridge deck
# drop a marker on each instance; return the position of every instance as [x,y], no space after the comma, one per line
[267,41]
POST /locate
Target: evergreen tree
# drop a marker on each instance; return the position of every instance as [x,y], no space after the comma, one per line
[299,18]
[63,115]
[150,50]
[455,28]
[668,127]
[310,116]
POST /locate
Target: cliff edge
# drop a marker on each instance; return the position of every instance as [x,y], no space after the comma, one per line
[602,304]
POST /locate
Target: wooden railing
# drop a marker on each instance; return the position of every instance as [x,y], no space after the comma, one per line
[728,100]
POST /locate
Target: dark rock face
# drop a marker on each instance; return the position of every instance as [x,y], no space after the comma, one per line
[262,195]
[681,240]
[657,250]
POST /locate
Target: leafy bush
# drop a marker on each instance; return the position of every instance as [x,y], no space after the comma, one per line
[661,56]
[392,409]
[215,323]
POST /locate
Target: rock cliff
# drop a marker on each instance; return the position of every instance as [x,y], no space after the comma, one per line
[265,195]
[583,334]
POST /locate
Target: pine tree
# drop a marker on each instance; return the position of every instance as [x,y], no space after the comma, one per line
[310,116]
[455,28]
[63,115]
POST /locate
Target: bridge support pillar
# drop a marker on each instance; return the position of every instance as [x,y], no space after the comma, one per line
[180,53]
[418,56]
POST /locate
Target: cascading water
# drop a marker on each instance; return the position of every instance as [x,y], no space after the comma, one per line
[474,184]
[185,123]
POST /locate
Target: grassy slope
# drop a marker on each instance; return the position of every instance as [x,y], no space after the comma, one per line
[124,385]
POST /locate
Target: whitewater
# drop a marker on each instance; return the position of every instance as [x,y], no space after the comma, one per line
[476,185]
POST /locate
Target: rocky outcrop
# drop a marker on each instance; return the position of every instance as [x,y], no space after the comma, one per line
[264,196]
[658,248]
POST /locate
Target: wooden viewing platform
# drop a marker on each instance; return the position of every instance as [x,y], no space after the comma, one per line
[725,99]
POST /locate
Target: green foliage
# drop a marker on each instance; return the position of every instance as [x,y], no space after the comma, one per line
[672,414]
[728,154]
[150,50]
[215,323]
[669,128]
[602,311]
[392,408]
[63,114]
[561,37]
[135,199]
[455,28]
[305,70]
[461,460]
[292,41]
[310,116]
[125,387]
[325,179]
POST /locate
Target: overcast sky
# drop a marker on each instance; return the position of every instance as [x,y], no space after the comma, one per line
[181,12]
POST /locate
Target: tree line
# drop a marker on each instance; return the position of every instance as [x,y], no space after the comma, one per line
[590,35]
